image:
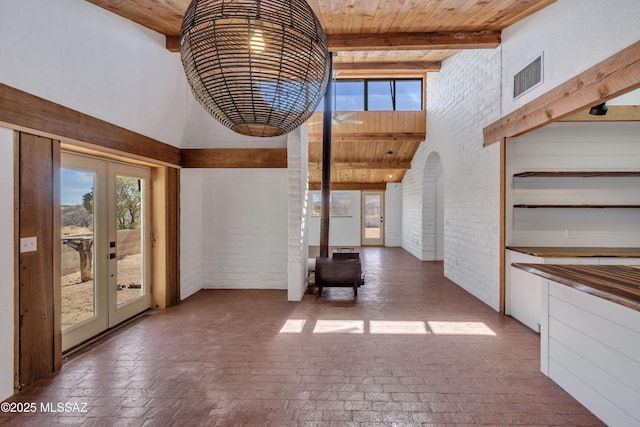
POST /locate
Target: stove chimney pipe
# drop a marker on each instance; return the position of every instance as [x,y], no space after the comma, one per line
[326,164]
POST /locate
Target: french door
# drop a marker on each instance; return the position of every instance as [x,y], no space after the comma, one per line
[372,218]
[105,235]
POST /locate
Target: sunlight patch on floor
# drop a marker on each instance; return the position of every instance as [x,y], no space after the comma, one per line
[397,327]
[293,326]
[460,328]
[388,327]
[339,327]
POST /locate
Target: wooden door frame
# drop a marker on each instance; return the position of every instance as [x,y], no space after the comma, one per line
[610,78]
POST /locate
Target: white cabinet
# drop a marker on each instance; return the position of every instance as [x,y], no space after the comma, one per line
[523,290]
[591,348]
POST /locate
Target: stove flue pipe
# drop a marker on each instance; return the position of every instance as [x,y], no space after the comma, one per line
[326,165]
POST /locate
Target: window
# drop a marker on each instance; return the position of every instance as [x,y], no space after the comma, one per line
[408,95]
[380,95]
[349,95]
[377,95]
[340,204]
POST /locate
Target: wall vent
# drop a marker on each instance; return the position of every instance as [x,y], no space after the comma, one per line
[528,78]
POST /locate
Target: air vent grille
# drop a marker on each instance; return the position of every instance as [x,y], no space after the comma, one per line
[529,77]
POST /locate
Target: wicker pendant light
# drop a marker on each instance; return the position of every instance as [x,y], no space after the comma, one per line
[260,67]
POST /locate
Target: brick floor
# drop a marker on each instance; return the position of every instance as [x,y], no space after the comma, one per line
[413,349]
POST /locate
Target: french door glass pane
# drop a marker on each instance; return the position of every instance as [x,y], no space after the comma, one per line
[372,216]
[129,244]
[77,246]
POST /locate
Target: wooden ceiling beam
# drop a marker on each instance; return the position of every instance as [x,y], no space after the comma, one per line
[367,137]
[234,158]
[440,40]
[363,186]
[404,67]
[362,165]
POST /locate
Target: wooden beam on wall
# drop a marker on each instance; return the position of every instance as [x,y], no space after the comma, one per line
[414,41]
[423,67]
[234,158]
[362,165]
[612,77]
[172,43]
[616,113]
[23,111]
[313,186]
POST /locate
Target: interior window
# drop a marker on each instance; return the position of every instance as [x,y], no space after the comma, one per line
[380,95]
[349,95]
[408,95]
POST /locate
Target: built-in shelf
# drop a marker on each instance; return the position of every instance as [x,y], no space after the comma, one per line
[578,206]
[576,252]
[585,174]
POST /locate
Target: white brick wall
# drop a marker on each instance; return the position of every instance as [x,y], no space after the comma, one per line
[191,237]
[297,193]
[393,214]
[462,98]
[245,228]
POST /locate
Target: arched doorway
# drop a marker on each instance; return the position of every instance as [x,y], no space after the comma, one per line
[433,209]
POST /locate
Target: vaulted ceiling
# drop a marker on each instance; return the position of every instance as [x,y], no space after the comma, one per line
[392,38]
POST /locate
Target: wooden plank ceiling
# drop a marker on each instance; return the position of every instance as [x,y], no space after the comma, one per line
[373,38]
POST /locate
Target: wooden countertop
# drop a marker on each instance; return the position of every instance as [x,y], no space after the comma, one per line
[577,252]
[616,283]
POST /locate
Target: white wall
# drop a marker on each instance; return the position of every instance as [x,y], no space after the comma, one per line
[191,236]
[462,98]
[573,35]
[575,147]
[86,58]
[6,264]
[297,196]
[433,209]
[245,228]
[343,231]
[393,214]
[203,131]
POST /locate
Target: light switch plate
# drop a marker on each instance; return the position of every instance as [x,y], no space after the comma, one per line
[28,244]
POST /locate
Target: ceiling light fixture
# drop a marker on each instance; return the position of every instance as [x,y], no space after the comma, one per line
[599,110]
[260,67]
